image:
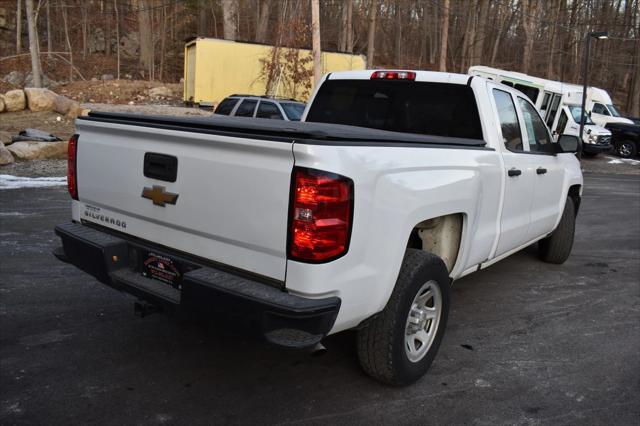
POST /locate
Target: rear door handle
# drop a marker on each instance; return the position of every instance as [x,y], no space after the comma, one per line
[514,172]
[541,170]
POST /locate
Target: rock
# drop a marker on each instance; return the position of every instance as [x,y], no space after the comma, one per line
[5,138]
[61,104]
[14,77]
[39,99]
[74,110]
[32,150]
[14,100]
[94,78]
[130,44]
[157,92]
[1,103]
[106,77]
[5,156]
[46,81]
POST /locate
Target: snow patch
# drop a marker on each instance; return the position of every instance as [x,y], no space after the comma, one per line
[623,161]
[15,182]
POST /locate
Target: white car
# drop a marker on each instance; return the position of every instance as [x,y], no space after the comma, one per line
[360,217]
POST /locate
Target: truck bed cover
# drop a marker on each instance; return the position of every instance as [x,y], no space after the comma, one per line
[281,131]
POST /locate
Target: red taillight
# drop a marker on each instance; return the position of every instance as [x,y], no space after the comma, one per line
[394,75]
[72,177]
[321,211]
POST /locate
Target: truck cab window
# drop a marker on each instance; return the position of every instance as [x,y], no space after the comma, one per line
[437,109]
[600,109]
[246,108]
[226,106]
[531,92]
[562,123]
[269,110]
[509,125]
[537,133]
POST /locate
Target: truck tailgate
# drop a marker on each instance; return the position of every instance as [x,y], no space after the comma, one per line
[232,192]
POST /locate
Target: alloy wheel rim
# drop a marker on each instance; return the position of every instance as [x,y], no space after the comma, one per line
[422,321]
[625,149]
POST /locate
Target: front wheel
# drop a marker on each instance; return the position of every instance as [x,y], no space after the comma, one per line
[399,344]
[626,149]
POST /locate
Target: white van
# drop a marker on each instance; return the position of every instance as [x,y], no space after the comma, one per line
[558,103]
[601,108]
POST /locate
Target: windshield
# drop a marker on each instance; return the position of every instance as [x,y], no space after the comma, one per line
[575,112]
[293,110]
[614,112]
[438,109]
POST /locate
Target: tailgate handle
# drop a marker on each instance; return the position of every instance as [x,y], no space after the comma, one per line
[160,166]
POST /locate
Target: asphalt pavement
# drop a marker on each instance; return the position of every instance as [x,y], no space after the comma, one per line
[527,342]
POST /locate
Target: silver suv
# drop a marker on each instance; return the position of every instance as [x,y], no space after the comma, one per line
[261,107]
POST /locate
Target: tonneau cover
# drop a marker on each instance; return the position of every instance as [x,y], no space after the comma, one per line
[284,131]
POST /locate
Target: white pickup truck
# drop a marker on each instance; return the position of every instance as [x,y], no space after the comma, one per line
[360,217]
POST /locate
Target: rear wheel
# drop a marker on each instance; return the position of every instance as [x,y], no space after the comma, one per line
[626,149]
[398,346]
[556,248]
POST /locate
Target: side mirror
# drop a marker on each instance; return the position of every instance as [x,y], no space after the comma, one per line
[567,143]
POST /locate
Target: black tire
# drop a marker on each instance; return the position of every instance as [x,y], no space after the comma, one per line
[626,149]
[556,248]
[381,344]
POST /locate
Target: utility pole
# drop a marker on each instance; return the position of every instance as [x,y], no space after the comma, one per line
[317,52]
[36,68]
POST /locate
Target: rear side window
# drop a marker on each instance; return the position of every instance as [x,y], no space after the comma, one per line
[246,108]
[600,109]
[269,110]
[399,106]
[225,107]
[508,121]
[562,123]
[294,111]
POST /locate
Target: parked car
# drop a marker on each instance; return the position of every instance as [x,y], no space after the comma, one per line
[625,139]
[360,217]
[636,120]
[261,107]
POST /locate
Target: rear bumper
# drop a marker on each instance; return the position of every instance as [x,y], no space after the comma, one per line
[591,148]
[283,318]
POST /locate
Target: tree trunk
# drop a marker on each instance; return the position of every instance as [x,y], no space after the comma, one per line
[529,17]
[49,35]
[84,30]
[19,27]
[163,40]
[552,42]
[398,34]
[66,36]
[34,48]
[146,36]
[107,36]
[371,39]
[263,21]
[115,8]
[342,35]
[202,18]
[350,26]
[229,16]
[442,61]
[317,52]
[481,33]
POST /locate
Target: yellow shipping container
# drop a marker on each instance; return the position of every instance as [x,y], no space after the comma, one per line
[215,69]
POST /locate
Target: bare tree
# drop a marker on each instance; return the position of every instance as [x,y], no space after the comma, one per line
[264,7]
[36,68]
[66,36]
[371,39]
[442,62]
[530,10]
[19,27]
[115,8]
[146,37]
[49,35]
[229,16]
[316,45]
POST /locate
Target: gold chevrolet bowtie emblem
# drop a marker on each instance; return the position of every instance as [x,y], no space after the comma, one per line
[158,195]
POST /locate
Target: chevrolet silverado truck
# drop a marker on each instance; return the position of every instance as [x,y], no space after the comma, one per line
[395,184]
